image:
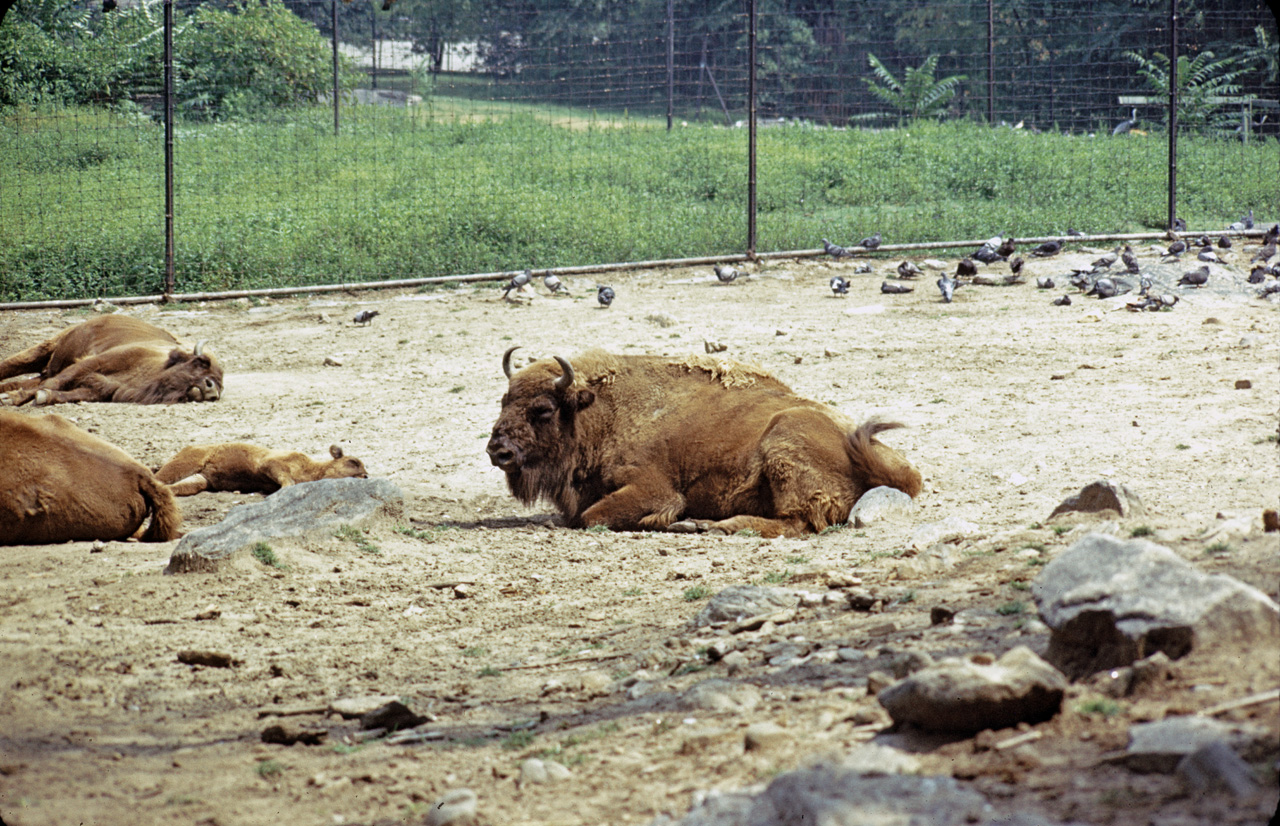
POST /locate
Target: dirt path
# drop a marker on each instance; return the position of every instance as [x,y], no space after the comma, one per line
[573,645]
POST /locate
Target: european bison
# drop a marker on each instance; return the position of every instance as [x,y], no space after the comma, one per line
[111,358]
[251,469]
[642,442]
[61,484]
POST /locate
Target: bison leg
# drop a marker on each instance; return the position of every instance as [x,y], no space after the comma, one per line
[30,360]
[647,502]
[806,465]
[190,486]
[764,526]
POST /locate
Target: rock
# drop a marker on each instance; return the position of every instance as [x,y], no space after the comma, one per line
[963,696]
[556,771]
[880,504]
[298,511]
[766,736]
[1270,520]
[878,681]
[905,663]
[663,320]
[1244,384]
[941,615]
[702,740]
[931,534]
[1215,766]
[1103,495]
[332,361]
[533,770]
[1138,678]
[393,716]
[456,807]
[1160,746]
[739,602]
[209,659]
[721,695]
[287,734]
[360,706]
[735,661]
[1107,601]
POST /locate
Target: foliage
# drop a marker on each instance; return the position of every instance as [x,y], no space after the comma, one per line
[1199,81]
[918,95]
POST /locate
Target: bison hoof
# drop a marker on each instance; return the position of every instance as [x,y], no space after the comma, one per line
[42,398]
[6,401]
[696,526]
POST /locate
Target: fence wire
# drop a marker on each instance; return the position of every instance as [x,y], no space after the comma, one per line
[467,140]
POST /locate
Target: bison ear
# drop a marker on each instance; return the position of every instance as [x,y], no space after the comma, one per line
[335,451]
[175,356]
[585,399]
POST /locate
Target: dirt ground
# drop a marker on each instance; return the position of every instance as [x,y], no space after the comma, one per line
[575,645]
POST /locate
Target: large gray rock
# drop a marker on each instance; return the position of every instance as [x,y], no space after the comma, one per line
[297,511]
[1162,745]
[1109,602]
[721,695]
[741,601]
[965,696]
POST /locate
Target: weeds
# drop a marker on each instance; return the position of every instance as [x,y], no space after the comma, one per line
[696,592]
[269,768]
[633,592]
[353,534]
[517,740]
[1099,705]
[1141,530]
[1012,608]
[1221,546]
[489,671]
[264,554]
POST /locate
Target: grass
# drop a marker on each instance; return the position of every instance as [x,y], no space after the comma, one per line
[517,740]
[1221,546]
[353,534]
[1012,609]
[489,671]
[263,553]
[1099,705]
[269,768]
[475,651]
[544,187]
[431,534]
[1059,530]
[777,577]
[1141,530]
[633,592]
[696,592]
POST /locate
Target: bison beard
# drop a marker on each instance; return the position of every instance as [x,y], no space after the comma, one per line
[641,442]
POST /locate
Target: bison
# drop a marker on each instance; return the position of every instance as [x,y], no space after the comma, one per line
[61,484]
[111,358]
[251,469]
[646,442]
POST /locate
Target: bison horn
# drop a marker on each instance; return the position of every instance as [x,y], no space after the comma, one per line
[566,381]
[199,348]
[506,360]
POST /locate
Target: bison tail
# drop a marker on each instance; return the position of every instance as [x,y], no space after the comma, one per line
[876,464]
[166,518]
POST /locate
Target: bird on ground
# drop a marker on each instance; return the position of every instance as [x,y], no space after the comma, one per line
[1074,233]
[908,269]
[1109,288]
[1195,278]
[1272,236]
[1168,300]
[1177,248]
[947,286]
[1224,242]
[994,241]
[1044,282]
[1258,274]
[553,283]
[1016,265]
[1264,254]
[604,295]
[987,255]
[1130,260]
[1064,301]
[365,316]
[1245,222]
[1124,126]
[726,273]
[1202,241]
[1207,254]
[835,250]
[1047,249]
[890,287]
[1007,247]
[1105,262]
[870,242]
[966,269]
[1170,235]
[839,285]
[1179,225]
[517,282]
[1080,279]
[1145,285]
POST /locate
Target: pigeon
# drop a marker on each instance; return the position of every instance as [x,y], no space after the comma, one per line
[517,282]
[890,287]
[1224,242]
[1168,300]
[1130,261]
[1108,288]
[1273,235]
[1064,301]
[1195,278]
[909,270]
[1245,222]
[1257,275]
[1202,241]
[1080,279]
[987,255]
[947,286]
[994,241]
[1145,285]
[870,242]
[1007,248]
[1044,282]
[1207,254]
[835,250]
[1016,265]
[839,285]
[1179,225]
[552,283]
[1264,254]
[604,295]
[1047,249]
[1177,248]
[1074,233]
[1105,262]
[966,269]
[365,316]
[726,273]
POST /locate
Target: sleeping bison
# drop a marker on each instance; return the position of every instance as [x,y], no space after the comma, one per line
[251,469]
[61,483]
[111,358]
[643,442]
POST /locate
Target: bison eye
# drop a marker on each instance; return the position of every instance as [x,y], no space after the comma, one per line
[541,413]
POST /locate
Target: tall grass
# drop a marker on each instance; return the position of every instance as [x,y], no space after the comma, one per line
[452,189]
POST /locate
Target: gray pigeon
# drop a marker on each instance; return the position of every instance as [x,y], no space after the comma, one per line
[726,273]
[1080,280]
[1064,301]
[1109,288]
[1044,282]
[890,287]
[1207,254]
[1195,278]
[1177,248]
[1168,300]
[1273,234]
[1016,265]
[1047,249]
[870,242]
[1130,261]
[907,269]
[1245,222]
[1258,274]
[1105,262]
[604,295]
[1074,233]
[553,283]
[835,250]
[947,286]
[365,316]
[987,255]
[517,282]
[1264,254]
[1179,225]
[839,285]
[1145,285]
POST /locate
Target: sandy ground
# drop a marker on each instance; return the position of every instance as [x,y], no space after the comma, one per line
[1011,404]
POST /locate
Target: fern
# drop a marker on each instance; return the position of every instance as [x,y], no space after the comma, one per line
[918,95]
[1199,80]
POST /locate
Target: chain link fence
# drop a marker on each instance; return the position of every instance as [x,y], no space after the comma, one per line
[464,140]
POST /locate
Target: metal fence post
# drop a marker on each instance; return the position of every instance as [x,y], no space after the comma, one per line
[671,63]
[169,278]
[751,130]
[333,4]
[991,62]
[1173,112]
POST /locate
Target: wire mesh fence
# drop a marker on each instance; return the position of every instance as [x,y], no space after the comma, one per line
[467,140]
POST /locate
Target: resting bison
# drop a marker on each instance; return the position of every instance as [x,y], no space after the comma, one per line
[251,469]
[111,358]
[61,483]
[641,442]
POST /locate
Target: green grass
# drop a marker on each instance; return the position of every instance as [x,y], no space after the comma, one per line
[1103,706]
[777,577]
[696,592]
[431,534]
[263,553]
[1141,530]
[83,213]
[269,768]
[353,534]
[1012,609]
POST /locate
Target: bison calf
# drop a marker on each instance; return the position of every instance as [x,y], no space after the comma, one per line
[642,442]
[251,469]
[60,484]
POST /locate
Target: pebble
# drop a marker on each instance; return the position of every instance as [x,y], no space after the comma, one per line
[533,770]
[457,807]
[765,736]
[331,361]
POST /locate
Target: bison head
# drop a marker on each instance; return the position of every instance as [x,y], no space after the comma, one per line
[343,466]
[194,376]
[534,438]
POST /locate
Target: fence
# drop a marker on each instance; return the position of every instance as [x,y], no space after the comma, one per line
[652,130]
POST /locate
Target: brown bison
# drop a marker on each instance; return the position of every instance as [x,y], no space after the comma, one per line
[60,484]
[111,358]
[251,469]
[644,442]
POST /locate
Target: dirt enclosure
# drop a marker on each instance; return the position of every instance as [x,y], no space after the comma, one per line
[573,645]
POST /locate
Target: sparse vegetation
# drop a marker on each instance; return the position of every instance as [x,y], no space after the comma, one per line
[351,533]
[1098,705]
[777,577]
[633,592]
[1141,530]
[1059,530]
[517,740]
[696,592]
[1220,546]
[267,556]
[475,651]
[489,671]
[269,768]
[1012,608]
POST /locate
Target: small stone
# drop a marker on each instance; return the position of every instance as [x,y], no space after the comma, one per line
[734,661]
[393,716]
[1103,495]
[862,600]
[595,684]
[878,681]
[663,320]
[350,707]
[286,734]
[210,659]
[941,615]
[456,807]
[97,547]
[880,504]
[714,346]
[533,771]
[1271,520]
[721,695]
[1158,747]
[556,771]
[1215,766]
[332,361]
[765,736]
[1243,384]
[717,650]
[850,655]
[462,590]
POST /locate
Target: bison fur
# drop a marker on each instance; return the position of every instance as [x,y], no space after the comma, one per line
[251,469]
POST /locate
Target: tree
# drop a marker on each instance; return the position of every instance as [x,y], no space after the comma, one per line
[918,95]
[1199,81]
